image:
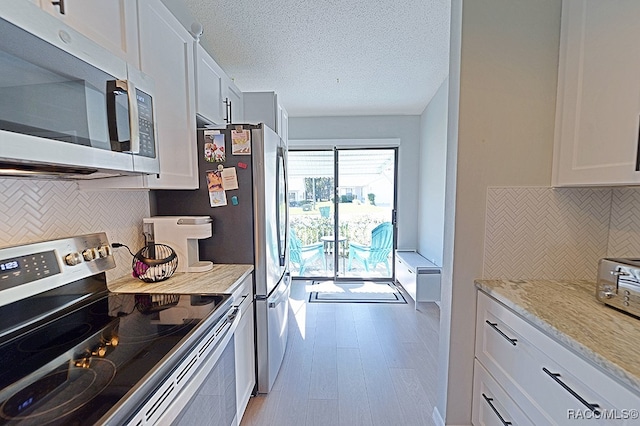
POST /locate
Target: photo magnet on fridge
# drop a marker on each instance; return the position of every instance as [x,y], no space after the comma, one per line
[214,149]
[241,142]
[217,196]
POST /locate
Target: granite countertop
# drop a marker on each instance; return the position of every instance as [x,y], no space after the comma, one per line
[223,278]
[569,311]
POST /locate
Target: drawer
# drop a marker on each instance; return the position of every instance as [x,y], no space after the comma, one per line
[547,380]
[243,294]
[491,404]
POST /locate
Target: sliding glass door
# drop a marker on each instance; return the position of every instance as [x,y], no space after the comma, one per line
[342,208]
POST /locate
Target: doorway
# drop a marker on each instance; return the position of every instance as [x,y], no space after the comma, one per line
[342,205]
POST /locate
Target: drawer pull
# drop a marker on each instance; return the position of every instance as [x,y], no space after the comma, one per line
[556,378]
[495,410]
[494,325]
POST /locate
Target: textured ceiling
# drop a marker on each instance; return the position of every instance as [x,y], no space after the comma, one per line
[331,57]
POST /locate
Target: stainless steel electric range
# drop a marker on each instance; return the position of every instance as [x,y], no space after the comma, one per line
[73,353]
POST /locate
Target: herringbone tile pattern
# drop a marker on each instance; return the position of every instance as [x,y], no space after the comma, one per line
[35,210]
[545,232]
[624,230]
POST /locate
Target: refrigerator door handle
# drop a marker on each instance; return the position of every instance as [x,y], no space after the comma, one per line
[281,170]
[284,295]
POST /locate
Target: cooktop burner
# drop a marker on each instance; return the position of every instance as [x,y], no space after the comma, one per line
[59,393]
[76,352]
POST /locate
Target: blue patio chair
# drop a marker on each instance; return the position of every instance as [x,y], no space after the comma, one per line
[302,255]
[377,252]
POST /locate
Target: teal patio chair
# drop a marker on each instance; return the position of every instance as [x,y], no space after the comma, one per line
[377,252]
[302,255]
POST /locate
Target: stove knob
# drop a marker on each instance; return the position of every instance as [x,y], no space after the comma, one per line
[90,254]
[72,259]
[606,295]
[104,251]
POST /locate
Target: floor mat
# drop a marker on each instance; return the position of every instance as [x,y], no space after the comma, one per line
[355,292]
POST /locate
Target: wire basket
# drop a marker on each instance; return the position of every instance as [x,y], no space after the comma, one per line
[154,263]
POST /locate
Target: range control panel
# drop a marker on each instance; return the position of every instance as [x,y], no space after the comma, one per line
[33,268]
[24,269]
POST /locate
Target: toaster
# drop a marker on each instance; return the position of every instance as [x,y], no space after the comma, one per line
[618,284]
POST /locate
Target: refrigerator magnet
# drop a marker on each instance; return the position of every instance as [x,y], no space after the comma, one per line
[217,198]
[234,200]
[229,178]
[241,142]
[214,146]
[214,180]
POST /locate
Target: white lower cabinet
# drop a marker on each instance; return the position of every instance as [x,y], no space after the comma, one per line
[547,383]
[245,347]
[493,406]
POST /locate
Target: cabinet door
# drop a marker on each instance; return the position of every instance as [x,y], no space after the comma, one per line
[166,54]
[598,104]
[261,107]
[112,24]
[491,404]
[236,98]
[245,360]
[210,80]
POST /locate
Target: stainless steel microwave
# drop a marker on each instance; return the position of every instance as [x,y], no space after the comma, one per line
[69,107]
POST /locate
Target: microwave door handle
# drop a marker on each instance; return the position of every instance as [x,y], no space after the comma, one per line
[134,124]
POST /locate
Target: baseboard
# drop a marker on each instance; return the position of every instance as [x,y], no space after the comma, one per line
[437,418]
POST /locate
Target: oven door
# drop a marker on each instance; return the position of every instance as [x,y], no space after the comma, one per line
[66,102]
[203,386]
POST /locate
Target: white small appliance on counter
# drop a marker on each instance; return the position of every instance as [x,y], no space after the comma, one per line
[182,234]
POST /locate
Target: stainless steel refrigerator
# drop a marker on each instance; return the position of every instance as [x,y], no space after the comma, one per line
[250,225]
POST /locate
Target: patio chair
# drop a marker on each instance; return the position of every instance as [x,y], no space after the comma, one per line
[302,255]
[377,252]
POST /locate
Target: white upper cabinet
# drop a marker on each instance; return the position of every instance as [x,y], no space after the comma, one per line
[598,104]
[218,99]
[264,107]
[112,24]
[236,97]
[166,54]
[210,85]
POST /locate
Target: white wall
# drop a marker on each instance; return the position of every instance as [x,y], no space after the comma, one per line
[507,66]
[431,176]
[404,128]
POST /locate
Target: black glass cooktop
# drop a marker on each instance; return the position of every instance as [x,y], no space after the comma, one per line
[76,355]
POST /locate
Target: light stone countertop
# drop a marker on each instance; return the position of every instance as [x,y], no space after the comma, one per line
[222,279]
[569,311]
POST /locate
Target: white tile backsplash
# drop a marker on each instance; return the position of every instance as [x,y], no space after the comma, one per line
[624,230]
[35,210]
[558,232]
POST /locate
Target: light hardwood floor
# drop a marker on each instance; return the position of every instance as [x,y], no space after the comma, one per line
[353,364]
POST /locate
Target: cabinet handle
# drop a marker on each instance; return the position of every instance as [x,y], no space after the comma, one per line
[60,4]
[495,410]
[556,378]
[227,107]
[494,325]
